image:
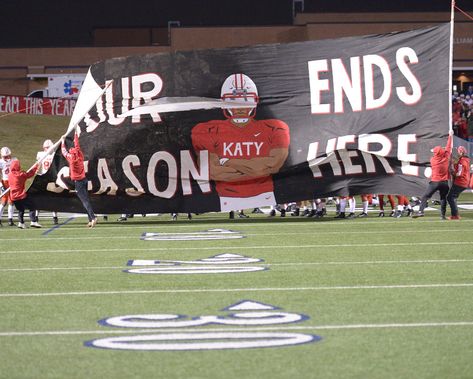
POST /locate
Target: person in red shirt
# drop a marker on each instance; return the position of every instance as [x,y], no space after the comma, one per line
[461,181]
[456,106]
[440,164]
[456,121]
[243,152]
[463,129]
[17,179]
[75,158]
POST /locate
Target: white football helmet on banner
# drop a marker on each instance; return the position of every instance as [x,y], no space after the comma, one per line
[239,87]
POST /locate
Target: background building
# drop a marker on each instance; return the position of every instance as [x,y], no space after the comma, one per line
[66,36]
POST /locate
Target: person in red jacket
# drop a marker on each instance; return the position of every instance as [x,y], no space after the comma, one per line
[461,181]
[17,179]
[75,158]
[440,164]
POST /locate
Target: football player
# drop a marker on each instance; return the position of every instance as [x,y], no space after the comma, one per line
[44,167]
[366,200]
[321,207]
[343,205]
[5,163]
[403,205]
[381,204]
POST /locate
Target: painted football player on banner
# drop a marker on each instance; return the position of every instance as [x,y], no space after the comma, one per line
[243,152]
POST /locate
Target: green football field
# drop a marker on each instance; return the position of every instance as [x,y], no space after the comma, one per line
[246,298]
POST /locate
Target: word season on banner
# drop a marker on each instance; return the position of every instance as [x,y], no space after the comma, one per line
[248,314]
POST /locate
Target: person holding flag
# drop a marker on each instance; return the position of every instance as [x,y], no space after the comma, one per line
[440,164]
[75,158]
[461,181]
[17,179]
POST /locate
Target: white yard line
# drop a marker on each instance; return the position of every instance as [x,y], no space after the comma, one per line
[248,329]
[213,290]
[345,232]
[239,224]
[417,261]
[148,248]
[338,263]
[62,268]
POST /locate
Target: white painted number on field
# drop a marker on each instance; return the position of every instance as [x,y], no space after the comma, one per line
[218,264]
[224,258]
[211,234]
[248,313]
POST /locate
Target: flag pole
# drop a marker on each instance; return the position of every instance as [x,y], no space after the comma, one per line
[450,89]
[450,81]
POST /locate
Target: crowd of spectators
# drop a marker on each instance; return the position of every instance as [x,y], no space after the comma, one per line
[462,114]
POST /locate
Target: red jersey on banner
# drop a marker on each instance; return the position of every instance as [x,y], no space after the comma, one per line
[229,141]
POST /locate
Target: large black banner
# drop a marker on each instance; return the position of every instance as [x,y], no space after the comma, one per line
[237,128]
